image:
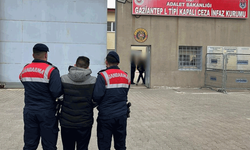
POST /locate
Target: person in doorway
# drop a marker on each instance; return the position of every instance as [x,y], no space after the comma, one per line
[76,117]
[133,68]
[110,94]
[141,69]
[42,84]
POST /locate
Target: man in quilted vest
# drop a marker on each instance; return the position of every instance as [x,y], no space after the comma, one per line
[76,117]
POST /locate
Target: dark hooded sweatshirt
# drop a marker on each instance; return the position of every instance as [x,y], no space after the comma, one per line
[77,108]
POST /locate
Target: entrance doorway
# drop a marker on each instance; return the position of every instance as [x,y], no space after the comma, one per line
[140,66]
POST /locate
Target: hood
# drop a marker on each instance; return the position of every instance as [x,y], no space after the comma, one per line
[77,74]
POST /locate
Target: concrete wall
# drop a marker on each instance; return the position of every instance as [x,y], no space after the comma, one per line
[166,34]
[111,16]
[69,27]
[111,40]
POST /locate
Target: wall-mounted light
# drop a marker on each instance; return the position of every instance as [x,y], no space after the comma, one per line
[122,1]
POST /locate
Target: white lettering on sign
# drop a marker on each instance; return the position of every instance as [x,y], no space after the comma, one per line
[238,14]
[219,13]
[172,11]
[193,8]
[148,10]
[189,12]
[208,5]
[203,12]
[115,75]
[37,70]
[175,4]
[228,13]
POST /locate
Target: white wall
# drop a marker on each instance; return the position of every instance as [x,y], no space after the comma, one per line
[68,27]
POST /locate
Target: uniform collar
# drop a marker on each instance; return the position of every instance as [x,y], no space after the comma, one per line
[40,61]
[113,67]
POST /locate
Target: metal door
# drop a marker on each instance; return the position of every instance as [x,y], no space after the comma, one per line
[148,62]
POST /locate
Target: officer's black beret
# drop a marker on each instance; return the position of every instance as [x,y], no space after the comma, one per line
[41,47]
[114,55]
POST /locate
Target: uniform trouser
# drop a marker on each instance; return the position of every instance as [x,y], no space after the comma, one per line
[107,128]
[41,123]
[75,137]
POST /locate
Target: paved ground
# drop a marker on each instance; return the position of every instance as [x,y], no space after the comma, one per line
[161,119]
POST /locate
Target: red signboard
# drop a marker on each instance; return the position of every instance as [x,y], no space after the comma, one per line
[192,8]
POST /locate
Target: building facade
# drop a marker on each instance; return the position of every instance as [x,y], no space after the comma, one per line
[111,29]
[178,44]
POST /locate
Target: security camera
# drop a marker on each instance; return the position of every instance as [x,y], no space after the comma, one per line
[122,1]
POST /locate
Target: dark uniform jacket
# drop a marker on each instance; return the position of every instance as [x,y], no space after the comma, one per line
[111,89]
[42,85]
[77,108]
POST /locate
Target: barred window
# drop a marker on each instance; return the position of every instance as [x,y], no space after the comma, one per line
[190,57]
[111,26]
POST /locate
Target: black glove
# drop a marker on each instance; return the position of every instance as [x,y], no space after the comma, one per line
[128,106]
[58,106]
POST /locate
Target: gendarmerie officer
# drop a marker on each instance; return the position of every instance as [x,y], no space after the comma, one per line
[110,93]
[42,84]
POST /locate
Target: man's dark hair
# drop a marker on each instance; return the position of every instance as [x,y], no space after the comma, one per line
[111,61]
[82,62]
[38,54]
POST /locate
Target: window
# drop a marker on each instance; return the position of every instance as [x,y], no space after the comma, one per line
[111,26]
[190,57]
